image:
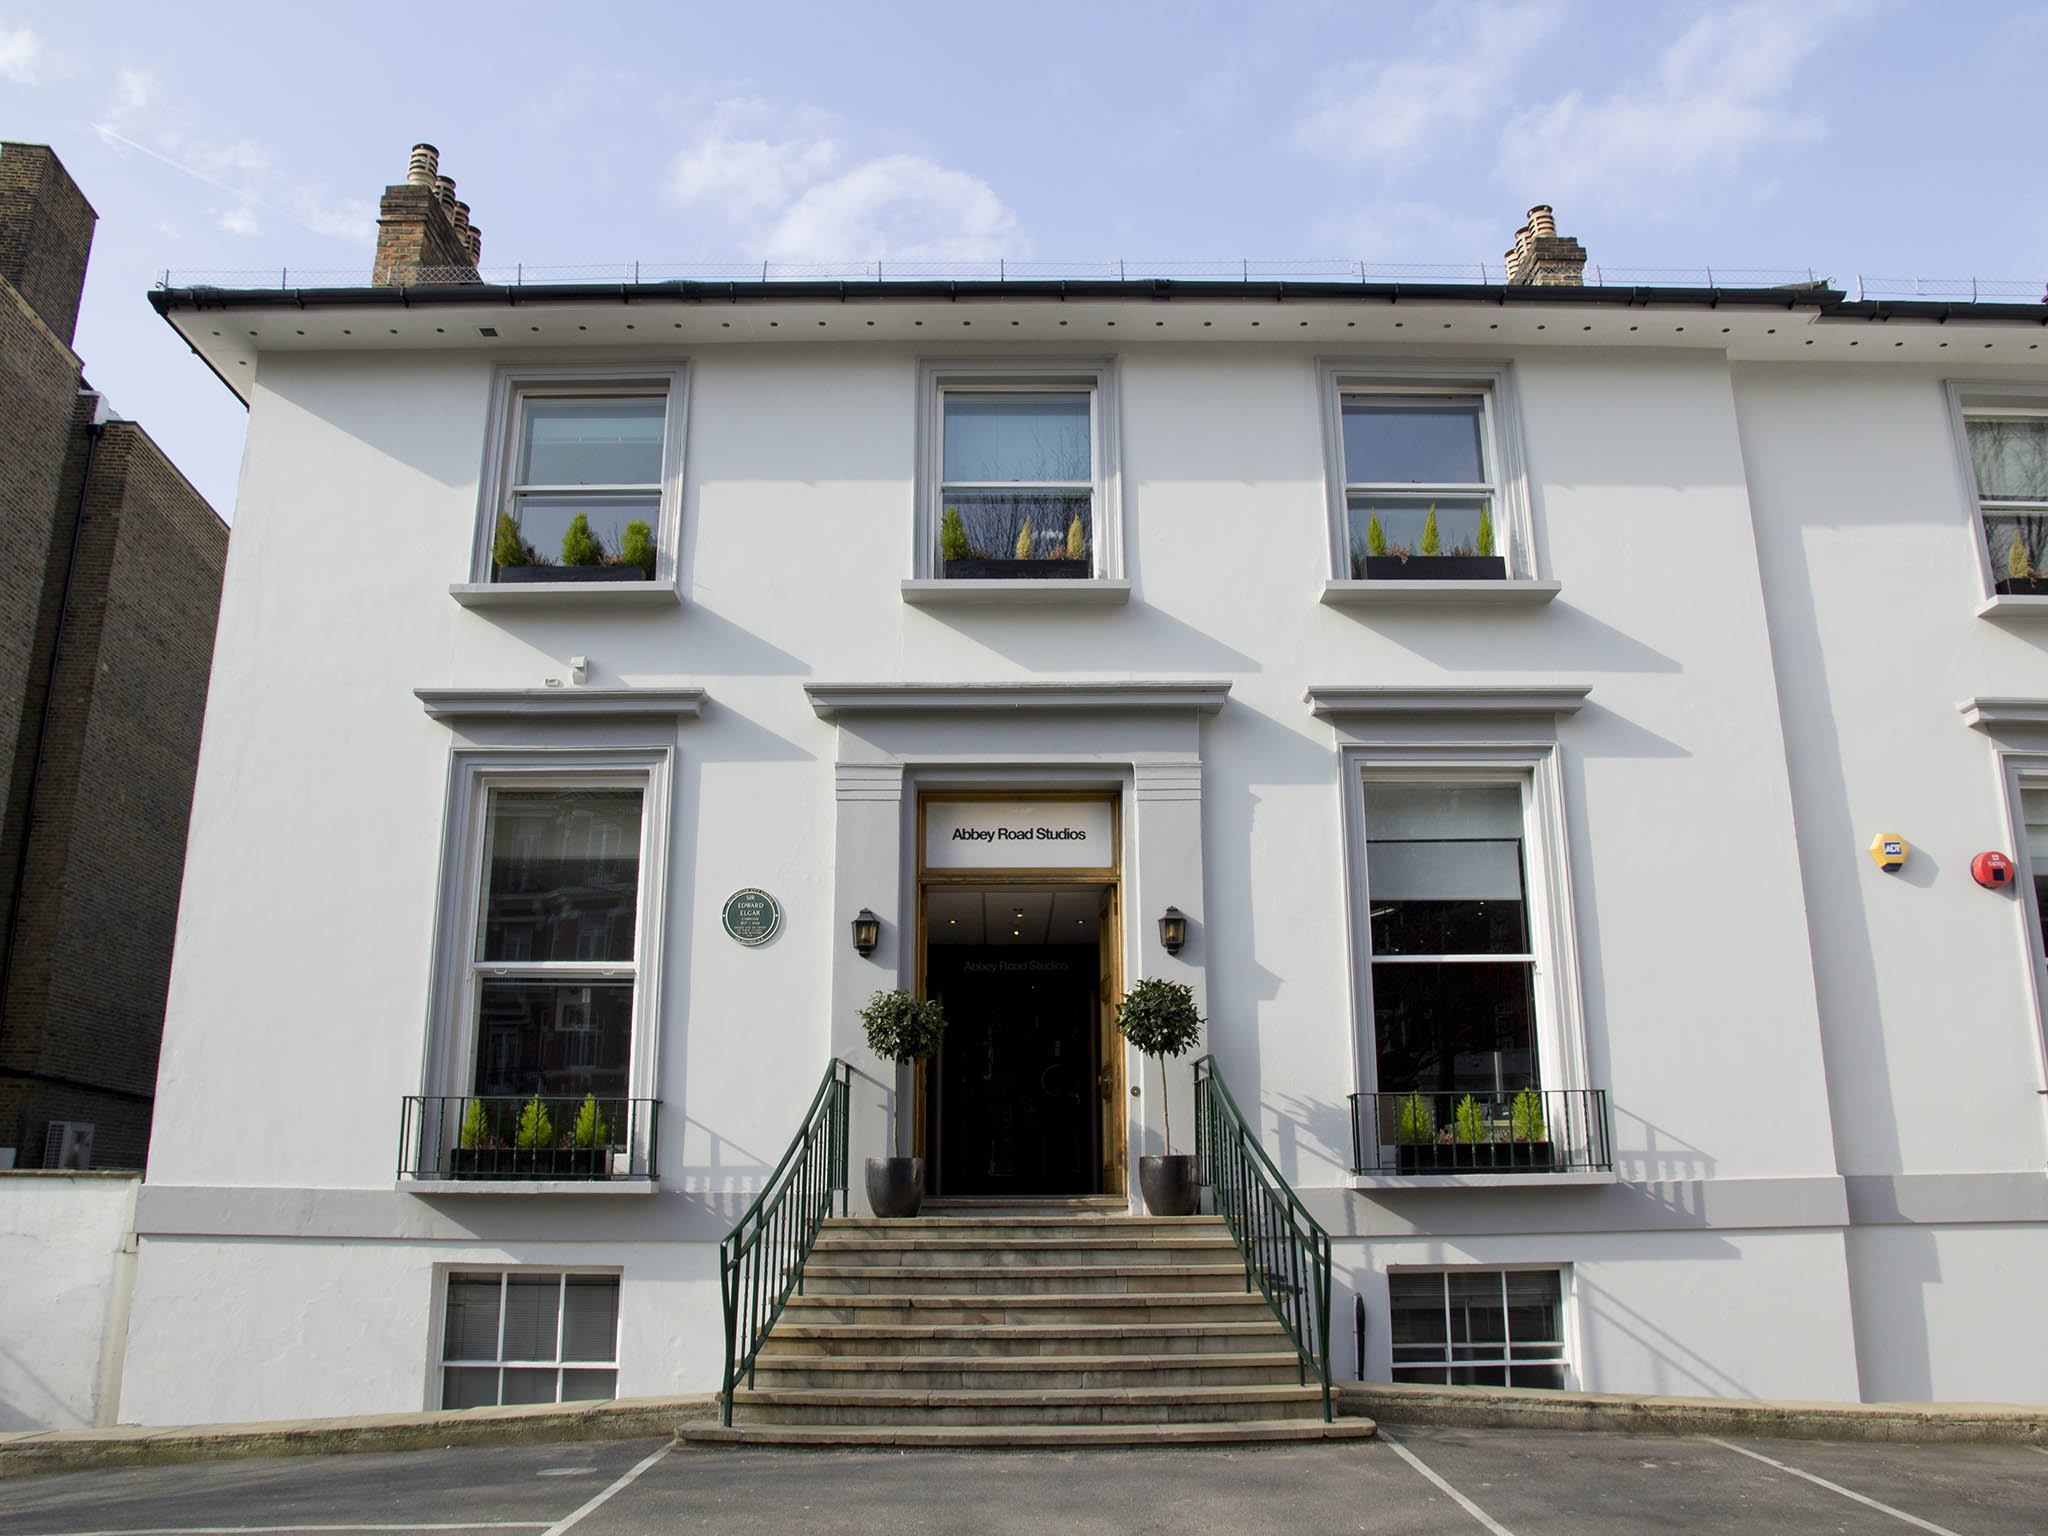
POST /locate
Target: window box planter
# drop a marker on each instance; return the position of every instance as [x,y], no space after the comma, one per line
[522,573]
[1436,568]
[2021,586]
[531,1163]
[1475,1157]
[1019,570]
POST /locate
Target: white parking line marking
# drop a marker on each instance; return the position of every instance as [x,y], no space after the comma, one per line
[1847,1493]
[570,1519]
[273,1530]
[1463,1503]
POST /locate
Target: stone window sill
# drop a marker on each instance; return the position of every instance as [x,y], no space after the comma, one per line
[535,595]
[2013,606]
[496,1187]
[934,593]
[1439,594]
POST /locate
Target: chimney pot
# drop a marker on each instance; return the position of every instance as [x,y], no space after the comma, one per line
[1544,258]
[1542,222]
[444,192]
[426,160]
[461,217]
[475,240]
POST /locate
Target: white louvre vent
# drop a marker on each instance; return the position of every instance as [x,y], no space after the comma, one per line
[68,1144]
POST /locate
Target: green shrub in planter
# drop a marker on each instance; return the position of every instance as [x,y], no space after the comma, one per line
[1469,1125]
[1525,1116]
[536,1126]
[1414,1126]
[1024,542]
[637,547]
[1486,530]
[1159,1019]
[902,1029]
[953,536]
[1375,536]
[474,1126]
[580,545]
[1077,540]
[507,547]
[591,1131]
[1432,544]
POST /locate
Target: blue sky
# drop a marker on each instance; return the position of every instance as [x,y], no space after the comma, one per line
[1849,136]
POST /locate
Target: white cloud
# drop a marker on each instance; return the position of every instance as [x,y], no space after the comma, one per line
[1718,94]
[142,118]
[27,60]
[901,206]
[775,178]
[1400,110]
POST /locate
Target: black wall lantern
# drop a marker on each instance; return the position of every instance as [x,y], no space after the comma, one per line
[1173,930]
[867,932]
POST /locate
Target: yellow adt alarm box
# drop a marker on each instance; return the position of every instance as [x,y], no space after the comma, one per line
[1890,850]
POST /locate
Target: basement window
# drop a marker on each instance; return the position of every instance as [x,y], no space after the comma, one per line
[529,1336]
[1478,1327]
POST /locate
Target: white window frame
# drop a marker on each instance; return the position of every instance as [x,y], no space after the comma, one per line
[513,384]
[2017,771]
[436,1387]
[1985,401]
[1558,1029]
[452,1036]
[1567,1320]
[1500,446]
[1096,377]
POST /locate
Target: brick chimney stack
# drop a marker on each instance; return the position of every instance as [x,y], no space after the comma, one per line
[1542,257]
[45,234]
[423,233]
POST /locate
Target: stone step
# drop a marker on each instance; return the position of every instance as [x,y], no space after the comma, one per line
[1008,1229]
[1112,1405]
[1042,1373]
[1215,1307]
[1027,1205]
[1026,1436]
[1023,1254]
[1050,1436]
[1023,1341]
[980,1280]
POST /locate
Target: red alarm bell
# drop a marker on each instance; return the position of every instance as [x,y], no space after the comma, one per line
[1993,871]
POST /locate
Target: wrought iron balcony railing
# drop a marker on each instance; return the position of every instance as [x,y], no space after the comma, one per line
[541,1136]
[1528,1130]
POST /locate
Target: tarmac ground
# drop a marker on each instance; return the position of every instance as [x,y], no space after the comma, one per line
[1420,1480]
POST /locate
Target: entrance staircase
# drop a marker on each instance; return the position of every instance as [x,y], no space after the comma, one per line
[1061,1322]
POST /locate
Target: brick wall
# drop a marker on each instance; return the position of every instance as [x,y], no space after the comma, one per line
[85,997]
[45,234]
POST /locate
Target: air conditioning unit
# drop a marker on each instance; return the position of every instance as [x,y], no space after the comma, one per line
[68,1144]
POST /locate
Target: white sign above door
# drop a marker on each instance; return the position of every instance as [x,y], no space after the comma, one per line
[1017,834]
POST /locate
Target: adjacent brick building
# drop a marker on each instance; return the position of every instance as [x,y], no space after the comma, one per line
[112,583]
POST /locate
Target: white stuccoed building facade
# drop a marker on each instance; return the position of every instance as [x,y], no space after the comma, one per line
[1590,821]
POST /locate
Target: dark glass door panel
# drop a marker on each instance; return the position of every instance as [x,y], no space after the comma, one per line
[1014,1100]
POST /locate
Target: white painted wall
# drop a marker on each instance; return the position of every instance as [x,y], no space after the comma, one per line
[66,1265]
[1718,534]
[1942,1312]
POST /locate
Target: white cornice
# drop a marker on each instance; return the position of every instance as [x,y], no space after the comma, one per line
[1995,715]
[466,704]
[837,701]
[1482,699]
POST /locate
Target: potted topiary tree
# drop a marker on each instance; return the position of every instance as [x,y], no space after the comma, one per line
[1429,560]
[1528,1136]
[1414,1135]
[902,1029]
[590,1143]
[636,549]
[479,1153]
[1159,1019]
[533,1143]
[584,557]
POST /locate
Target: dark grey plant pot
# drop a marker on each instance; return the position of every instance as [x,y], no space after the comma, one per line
[1019,570]
[1436,568]
[895,1185]
[518,573]
[1169,1185]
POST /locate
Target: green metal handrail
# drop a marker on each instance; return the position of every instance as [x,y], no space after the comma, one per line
[1285,1250]
[761,1262]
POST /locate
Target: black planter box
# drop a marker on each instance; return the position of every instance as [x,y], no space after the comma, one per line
[1019,570]
[519,573]
[531,1163]
[2021,586]
[1436,568]
[1474,1157]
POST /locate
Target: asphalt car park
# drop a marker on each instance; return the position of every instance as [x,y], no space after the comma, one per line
[1412,1480]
